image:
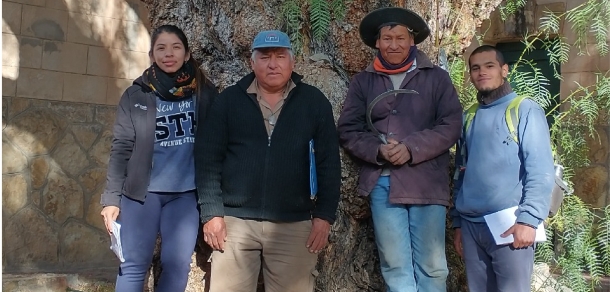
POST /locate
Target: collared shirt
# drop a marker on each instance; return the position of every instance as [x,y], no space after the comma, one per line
[270,115]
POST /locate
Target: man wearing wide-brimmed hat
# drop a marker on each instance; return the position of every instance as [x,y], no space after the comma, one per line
[407,179]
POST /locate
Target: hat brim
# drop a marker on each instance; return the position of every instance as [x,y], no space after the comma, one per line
[369,26]
[266,46]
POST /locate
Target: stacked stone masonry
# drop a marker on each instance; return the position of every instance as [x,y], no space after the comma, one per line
[65,64]
[54,157]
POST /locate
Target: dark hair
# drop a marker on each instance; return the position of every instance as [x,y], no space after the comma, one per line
[488,48]
[169,28]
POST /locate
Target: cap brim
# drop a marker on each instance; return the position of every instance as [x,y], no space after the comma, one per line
[369,26]
[271,46]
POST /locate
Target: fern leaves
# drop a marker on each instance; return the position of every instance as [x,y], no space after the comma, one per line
[291,12]
[592,17]
[319,15]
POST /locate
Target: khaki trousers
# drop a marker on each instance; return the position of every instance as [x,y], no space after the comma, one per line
[281,249]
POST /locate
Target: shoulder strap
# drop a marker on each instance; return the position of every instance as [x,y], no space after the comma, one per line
[472,110]
[512,117]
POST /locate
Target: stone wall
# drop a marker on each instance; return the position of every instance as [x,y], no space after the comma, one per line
[65,64]
[592,182]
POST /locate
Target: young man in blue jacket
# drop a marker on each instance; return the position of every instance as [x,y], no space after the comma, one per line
[499,172]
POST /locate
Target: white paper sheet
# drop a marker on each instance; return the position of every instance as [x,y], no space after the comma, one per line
[501,221]
[115,241]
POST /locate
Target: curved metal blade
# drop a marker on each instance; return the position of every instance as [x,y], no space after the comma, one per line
[369,110]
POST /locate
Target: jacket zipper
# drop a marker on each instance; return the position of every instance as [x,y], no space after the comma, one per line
[267,154]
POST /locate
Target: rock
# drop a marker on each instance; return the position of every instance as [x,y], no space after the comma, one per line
[105,116]
[592,185]
[32,243]
[73,112]
[36,197]
[79,241]
[320,58]
[14,193]
[5,103]
[86,134]
[598,147]
[70,156]
[13,160]
[34,283]
[39,169]
[93,216]
[17,106]
[62,198]
[100,151]
[93,179]
[544,281]
[36,131]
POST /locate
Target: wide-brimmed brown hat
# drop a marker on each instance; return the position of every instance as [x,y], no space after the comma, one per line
[371,23]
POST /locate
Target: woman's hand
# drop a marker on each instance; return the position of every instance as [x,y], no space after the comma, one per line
[110,213]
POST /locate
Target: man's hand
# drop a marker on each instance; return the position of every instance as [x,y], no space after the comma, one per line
[457,241]
[384,151]
[523,235]
[318,238]
[399,154]
[215,233]
[110,213]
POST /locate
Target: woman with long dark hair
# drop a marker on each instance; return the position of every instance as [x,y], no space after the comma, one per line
[151,172]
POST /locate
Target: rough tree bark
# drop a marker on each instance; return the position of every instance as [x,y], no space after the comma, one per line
[220,34]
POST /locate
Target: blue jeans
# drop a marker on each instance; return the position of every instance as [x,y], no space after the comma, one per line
[173,215]
[411,242]
[491,267]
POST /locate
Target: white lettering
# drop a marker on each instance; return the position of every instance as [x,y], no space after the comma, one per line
[165,108]
[185,104]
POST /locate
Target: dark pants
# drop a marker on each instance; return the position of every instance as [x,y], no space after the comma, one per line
[175,216]
[491,267]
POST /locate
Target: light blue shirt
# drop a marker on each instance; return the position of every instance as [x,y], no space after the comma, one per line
[501,173]
[173,167]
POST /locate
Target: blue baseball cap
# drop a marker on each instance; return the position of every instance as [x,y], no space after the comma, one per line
[271,39]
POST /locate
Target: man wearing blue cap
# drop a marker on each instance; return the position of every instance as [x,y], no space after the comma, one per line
[253,175]
[406,179]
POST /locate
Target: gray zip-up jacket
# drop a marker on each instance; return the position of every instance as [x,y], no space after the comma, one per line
[131,152]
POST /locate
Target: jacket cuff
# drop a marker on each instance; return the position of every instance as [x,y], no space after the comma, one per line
[330,220]
[209,211]
[529,219]
[111,200]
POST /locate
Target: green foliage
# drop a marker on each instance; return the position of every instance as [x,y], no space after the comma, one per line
[291,12]
[510,7]
[604,239]
[591,17]
[320,14]
[457,68]
[339,9]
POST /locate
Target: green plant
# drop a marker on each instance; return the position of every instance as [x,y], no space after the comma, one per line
[510,7]
[291,16]
[320,16]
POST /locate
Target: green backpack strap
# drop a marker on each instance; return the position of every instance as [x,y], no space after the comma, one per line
[469,116]
[472,110]
[512,117]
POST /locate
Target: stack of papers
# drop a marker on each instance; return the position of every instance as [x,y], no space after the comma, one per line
[501,221]
[115,241]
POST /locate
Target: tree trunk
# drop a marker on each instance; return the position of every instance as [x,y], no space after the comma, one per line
[220,34]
